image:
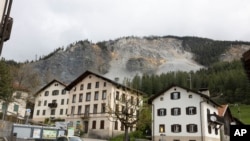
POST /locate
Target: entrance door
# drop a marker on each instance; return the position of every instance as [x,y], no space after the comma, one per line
[86,126]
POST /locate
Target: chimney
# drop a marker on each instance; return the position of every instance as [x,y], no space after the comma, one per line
[204,91]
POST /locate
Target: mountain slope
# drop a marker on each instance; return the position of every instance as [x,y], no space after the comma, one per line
[125,57]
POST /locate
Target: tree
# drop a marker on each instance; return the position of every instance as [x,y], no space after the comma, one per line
[126,111]
[6,87]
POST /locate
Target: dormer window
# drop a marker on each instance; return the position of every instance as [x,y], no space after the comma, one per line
[175,95]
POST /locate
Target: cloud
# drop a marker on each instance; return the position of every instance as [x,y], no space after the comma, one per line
[41,26]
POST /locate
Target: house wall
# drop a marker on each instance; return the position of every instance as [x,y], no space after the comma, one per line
[186,99]
[19,101]
[99,116]
[45,100]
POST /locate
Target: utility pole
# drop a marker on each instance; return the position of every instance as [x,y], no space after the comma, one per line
[5,21]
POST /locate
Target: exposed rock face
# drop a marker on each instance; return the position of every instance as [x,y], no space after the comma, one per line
[116,59]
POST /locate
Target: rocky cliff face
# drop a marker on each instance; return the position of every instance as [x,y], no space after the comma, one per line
[117,59]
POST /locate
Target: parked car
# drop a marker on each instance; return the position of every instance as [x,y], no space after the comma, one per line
[68,138]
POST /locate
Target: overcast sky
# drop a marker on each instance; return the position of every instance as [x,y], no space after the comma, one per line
[40,26]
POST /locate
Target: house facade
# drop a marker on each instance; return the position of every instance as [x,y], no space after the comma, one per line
[93,101]
[16,110]
[181,114]
[51,102]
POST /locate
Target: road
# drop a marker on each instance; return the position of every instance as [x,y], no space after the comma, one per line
[88,139]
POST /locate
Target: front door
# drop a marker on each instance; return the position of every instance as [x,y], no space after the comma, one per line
[86,126]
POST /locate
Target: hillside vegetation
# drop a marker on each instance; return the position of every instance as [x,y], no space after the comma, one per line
[227,82]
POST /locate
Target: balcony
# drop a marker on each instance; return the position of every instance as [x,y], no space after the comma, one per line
[52,105]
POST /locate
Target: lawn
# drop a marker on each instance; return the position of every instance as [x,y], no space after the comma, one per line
[241,112]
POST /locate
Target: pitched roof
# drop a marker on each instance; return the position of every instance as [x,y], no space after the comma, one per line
[86,73]
[51,82]
[174,85]
[222,110]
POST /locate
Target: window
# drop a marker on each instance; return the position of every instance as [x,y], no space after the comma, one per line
[63,92]
[62,101]
[74,98]
[116,108]
[209,129]
[56,84]
[216,131]
[39,103]
[190,96]
[176,128]
[67,101]
[102,124]
[96,95]
[18,95]
[117,95]
[61,111]
[103,110]
[55,92]
[96,84]
[122,126]
[93,124]
[175,95]
[79,110]
[72,110]
[123,97]
[53,101]
[104,94]
[132,100]
[162,112]
[46,93]
[161,98]
[175,111]
[44,112]
[80,97]
[53,112]
[192,128]
[191,110]
[162,128]
[81,87]
[66,111]
[37,112]
[87,108]
[45,102]
[89,86]
[116,125]
[95,109]
[104,84]
[88,96]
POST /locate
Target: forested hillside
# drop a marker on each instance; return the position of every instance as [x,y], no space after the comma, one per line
[227,82]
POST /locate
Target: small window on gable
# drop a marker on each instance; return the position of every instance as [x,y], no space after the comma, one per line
[175,95]
[190,96]
[162,112]
[161,98]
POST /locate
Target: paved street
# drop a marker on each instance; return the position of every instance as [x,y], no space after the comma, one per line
[88,139]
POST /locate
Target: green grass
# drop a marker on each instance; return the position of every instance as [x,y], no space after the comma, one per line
[244,112]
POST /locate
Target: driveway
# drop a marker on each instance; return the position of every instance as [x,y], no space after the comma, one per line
[88,139]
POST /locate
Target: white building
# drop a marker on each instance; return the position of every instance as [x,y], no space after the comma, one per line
[17,109]
[181,114]
[51,102]
[92,98]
